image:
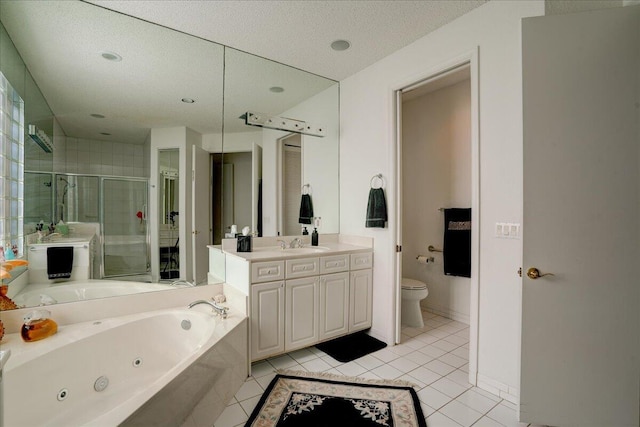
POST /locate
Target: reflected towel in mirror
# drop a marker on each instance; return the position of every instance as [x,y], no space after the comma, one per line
[306,210]
[59,262]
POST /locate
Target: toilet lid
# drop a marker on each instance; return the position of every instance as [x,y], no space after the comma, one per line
[413,284]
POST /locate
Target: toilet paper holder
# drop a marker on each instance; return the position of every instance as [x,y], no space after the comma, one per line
[423,259]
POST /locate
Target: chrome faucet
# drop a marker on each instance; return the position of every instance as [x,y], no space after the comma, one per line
[181,282]
[283,244]
[222,311]
[295,243]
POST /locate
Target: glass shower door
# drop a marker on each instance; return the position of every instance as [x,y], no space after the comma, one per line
[124,227]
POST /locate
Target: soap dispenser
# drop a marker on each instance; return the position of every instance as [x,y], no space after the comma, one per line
[37,326]
[305,232]
[314,235]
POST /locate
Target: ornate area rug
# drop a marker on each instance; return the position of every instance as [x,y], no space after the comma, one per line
[304,399]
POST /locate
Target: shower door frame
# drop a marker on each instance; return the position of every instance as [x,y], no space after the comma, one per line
[145,217]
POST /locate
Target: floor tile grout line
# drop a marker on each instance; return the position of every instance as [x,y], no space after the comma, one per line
[319,355]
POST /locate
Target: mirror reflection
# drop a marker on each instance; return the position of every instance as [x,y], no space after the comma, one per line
[169,211]
[131,108]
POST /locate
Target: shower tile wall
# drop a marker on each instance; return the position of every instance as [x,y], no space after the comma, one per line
[38,188]
[85,156]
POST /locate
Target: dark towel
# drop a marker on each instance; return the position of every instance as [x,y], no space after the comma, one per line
[376,209]
[306,210]
[457,242]
[59,262]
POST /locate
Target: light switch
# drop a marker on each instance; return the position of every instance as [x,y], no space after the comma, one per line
[507,230]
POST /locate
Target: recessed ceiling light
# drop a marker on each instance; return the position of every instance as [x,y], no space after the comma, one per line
[340,45]
[97,116]
[105,133]
[188,100]
[276,89]
[111,56]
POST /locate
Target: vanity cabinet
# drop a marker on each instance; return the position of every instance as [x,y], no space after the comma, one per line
[297,302]
[360,299]
[267,318]
[301,313]
[334,306]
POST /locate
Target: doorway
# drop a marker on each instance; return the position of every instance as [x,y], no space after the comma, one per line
[437,167]
[290,183]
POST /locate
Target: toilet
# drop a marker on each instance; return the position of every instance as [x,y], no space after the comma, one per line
[413,291]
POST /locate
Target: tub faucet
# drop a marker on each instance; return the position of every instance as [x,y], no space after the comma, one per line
[222,311]
[182,282]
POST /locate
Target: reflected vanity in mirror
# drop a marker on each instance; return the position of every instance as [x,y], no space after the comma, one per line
[132,110]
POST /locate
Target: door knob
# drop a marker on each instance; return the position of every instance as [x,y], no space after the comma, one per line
[534,273]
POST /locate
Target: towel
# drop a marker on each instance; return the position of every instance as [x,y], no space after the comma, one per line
[376,209]
[457,242]
[59,262]
[306,209]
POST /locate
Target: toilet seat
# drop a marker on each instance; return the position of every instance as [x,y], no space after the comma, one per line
[413,284]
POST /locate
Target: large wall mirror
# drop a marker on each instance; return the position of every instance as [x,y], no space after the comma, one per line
[112,92]
[259,85]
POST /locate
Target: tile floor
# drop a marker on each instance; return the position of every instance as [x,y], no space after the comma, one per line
[435,358]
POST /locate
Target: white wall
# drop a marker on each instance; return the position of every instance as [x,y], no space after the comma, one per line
[367,147]
[436,161]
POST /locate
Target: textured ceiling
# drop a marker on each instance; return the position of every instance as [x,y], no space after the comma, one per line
[61,41]
[299,33]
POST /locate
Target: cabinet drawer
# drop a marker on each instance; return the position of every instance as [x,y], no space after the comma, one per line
[267,271]
[361,261]
[302,267]
[334,264]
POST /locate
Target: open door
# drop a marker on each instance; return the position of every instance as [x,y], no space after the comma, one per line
[580,340]
[200,214]
[256,191]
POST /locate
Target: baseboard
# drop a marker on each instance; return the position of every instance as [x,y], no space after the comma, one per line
[379,335]
[448,313]
[501,390]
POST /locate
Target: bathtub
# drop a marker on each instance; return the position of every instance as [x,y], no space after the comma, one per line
[83,290]
[154,368]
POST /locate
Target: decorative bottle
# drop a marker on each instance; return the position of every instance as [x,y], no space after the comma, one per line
[37,326]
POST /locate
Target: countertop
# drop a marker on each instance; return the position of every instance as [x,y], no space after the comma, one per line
[268,248]
[275,252]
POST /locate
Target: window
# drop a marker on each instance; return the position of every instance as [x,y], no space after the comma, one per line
[11,166]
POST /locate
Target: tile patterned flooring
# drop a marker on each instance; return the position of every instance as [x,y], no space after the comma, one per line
[434,358]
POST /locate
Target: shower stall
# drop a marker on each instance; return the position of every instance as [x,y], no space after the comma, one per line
[117,204]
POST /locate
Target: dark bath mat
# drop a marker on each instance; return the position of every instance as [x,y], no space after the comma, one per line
[351,347]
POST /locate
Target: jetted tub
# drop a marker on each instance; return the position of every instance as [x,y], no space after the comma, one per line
[153,368]
[82,290]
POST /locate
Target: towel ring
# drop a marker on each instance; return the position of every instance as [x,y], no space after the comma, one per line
[373,181]
[306,189]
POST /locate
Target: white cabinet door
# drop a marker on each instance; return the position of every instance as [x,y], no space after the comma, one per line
[301,302]
[334,305]
[267,319]
[360,299]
